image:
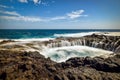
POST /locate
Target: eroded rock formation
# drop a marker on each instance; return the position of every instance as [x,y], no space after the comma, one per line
[16,65]
[111,43]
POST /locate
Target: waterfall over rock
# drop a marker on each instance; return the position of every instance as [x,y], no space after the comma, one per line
[111,43]
[63,43]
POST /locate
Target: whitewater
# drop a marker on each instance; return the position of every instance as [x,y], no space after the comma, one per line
[63,53]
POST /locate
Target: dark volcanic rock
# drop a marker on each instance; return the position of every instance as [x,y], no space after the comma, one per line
[18,65]
[22,65]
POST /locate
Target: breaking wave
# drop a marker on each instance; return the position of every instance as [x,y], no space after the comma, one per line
[34,39]
[76,34]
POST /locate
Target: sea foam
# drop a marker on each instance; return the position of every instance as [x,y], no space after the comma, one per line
[76,34]
[34,39]
[62,54]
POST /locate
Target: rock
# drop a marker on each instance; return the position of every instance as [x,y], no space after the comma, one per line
[117,49]
[57,77]
[27,65]
[110,43]
[51,68]
[3,76]
[72,77]
[22,65]
[98,41]
[65,77]
[6,41]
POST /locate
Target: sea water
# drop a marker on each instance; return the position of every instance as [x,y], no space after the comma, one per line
[46,33]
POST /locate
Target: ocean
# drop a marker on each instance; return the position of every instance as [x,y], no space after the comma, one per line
[46,33]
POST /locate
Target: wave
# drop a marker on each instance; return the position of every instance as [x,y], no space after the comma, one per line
[62,54]
[54,36]
[76,34]
[30,39]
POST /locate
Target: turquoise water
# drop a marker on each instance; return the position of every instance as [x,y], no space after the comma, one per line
[40,33]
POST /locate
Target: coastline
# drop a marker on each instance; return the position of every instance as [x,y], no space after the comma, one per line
[98,40]
[25,59]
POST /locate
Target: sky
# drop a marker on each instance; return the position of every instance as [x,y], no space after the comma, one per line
[59,14]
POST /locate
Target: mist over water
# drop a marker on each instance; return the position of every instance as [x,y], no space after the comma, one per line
[62,54]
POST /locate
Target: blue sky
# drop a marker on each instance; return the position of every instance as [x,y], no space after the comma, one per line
[59,14]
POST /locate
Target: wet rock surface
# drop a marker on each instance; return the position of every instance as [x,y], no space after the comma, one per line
[111,43]
[21,65]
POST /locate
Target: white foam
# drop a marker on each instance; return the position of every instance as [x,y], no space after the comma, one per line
[76,34]
[61,54]
[1,40]
[34,39]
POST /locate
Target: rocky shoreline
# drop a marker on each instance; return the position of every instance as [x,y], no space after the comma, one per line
[16,63]
[110,43]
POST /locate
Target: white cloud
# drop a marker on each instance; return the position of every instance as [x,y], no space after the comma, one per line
[44,3]
[41,2]
[4,6]
[72,15]
[21,18]
[9,17]
[37,1]
[10,13]
[32,19]
[76,14]
[58,18]
[23,1]
[16,16]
